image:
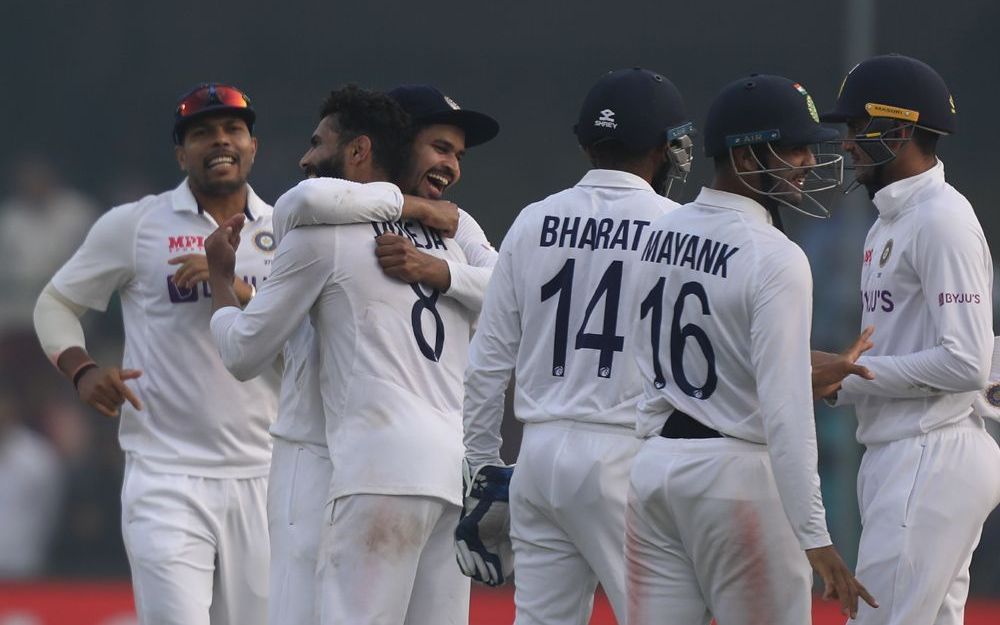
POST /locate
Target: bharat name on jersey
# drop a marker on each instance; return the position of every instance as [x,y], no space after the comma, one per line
[570,260]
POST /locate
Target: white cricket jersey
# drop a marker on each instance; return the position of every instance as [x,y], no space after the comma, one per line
[317,201]
[392,356]
[727,302]
[926,286]
[196,418]
[336,201]
[558,307]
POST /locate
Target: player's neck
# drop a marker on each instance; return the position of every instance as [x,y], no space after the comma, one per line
[222,207]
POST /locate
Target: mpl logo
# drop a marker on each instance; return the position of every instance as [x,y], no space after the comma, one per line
[868,257]
[606,120]
[186,243]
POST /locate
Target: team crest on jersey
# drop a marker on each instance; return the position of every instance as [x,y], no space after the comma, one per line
[265,241]
[993,395]
[886,253]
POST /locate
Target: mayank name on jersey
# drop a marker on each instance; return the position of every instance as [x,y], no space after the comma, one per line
[591,233]
[688,250]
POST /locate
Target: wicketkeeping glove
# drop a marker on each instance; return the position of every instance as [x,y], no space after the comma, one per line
[482,538]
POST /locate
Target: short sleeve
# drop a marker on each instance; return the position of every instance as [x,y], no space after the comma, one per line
[104,263]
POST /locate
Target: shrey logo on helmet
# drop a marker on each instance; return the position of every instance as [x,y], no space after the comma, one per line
[606,120]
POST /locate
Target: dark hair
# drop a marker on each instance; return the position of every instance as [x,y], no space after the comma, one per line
[362,112]
[926,140]
[613,154]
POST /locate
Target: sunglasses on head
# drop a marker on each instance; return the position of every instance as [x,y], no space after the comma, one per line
[211,95]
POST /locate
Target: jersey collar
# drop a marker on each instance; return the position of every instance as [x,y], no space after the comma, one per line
[893,199]
[613,178]
[732,201]
[183,200]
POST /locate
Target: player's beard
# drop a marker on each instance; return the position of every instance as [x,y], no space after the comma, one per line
[659,180]
[330,168]
[216,188]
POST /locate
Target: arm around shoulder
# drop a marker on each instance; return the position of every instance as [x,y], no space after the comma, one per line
[334,201]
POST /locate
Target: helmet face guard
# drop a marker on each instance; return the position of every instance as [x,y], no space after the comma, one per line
[882,137]
[825,174]
[680,154]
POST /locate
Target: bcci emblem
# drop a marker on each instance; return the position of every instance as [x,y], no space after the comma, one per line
[810,105]
[886,253]
[993,395]
[265,241]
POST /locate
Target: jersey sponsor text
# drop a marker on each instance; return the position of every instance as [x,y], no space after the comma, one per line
[877,299]
[958,298]
[185,243]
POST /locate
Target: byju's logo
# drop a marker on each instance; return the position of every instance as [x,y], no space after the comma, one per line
[606,120]
[179,295]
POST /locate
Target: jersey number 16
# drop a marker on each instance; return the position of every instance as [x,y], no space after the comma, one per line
[608,341]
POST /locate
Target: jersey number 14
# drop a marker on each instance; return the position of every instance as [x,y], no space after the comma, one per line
[608,341]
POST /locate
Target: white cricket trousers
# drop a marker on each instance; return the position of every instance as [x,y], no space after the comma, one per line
[567,520]
[923,504]
[296,500]
[390,560]
[197,546]
[707,537]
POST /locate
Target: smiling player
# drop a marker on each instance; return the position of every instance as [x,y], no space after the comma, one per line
[195,439]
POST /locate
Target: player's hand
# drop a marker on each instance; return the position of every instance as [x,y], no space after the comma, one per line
[105,390]
[838,581]
[399,258]
[441,215]
[221,245]
[829,370]
[193,269]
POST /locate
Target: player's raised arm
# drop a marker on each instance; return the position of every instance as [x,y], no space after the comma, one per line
[250,339]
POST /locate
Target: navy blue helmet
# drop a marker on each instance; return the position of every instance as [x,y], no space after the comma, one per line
[895,87]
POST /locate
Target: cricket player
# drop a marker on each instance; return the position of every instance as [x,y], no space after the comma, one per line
[930,474]
[391,358]
[725,515]
[195,439]
[556,311]
[300,466]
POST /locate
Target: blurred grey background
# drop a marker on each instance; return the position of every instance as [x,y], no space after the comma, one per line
[89,90]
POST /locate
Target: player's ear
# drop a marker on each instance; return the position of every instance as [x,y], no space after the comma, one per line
[181,157]
[360,149]
[253,149]
[744,159]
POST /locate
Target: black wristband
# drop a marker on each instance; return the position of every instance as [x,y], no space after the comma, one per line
[79,373]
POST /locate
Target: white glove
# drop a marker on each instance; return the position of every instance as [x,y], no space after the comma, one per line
[482,538]
[987,402]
